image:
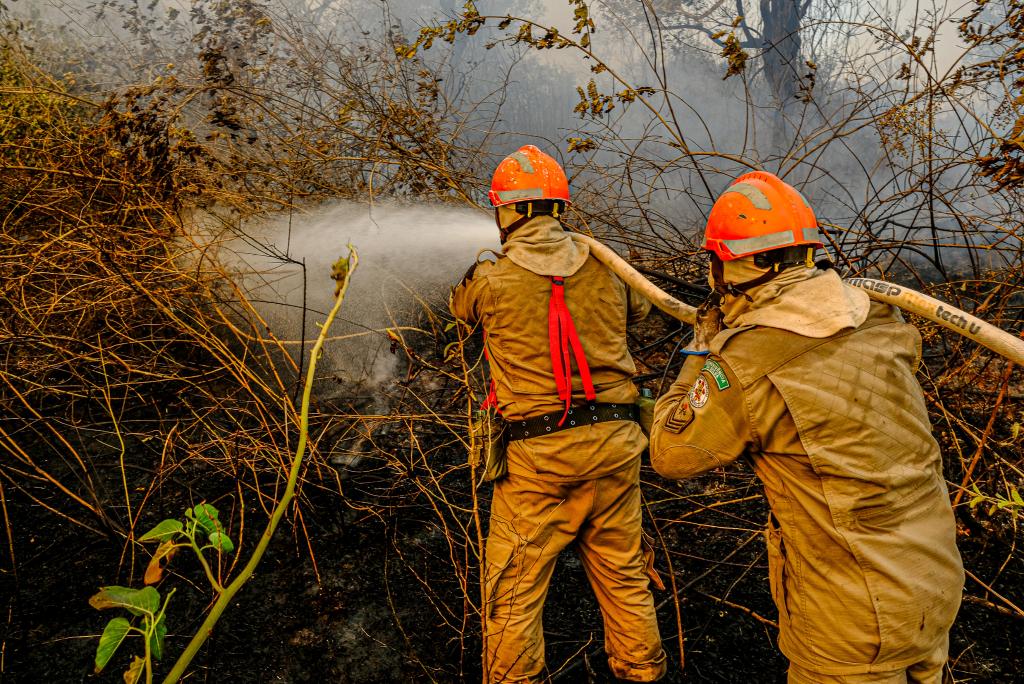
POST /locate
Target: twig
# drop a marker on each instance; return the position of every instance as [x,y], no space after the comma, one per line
[1010,604]
[985,435]
[744,609]
[236,584]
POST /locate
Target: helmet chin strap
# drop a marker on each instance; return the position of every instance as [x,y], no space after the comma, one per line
[722,288]
[528,211]
[776,262]
[510,228]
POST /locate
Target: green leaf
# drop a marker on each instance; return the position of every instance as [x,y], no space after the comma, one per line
[134,671]
[1015,495]
[221,542]
[156,640]
[449,326]
[163,531]
[208,510]
[206,516]
[135,601]
[113,634]
[975,501]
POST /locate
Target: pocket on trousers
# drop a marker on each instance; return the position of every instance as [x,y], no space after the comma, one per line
[647,549]
[777,570]
[498,563]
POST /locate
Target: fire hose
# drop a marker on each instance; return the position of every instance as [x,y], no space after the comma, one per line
[960,322]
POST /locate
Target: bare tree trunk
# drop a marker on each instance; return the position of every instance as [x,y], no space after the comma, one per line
[781,30]
[780,20]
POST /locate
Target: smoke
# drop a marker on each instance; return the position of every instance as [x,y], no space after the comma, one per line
[409,257]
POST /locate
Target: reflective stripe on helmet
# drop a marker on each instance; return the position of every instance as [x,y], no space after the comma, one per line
[756,197]
[516,195]
[761,243]
[524,161]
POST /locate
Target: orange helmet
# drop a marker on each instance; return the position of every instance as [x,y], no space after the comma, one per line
[528,174]
[758,213]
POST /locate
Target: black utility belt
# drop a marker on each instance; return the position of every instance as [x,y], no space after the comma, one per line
[578,416]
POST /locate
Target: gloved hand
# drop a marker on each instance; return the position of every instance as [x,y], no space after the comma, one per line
[707,325]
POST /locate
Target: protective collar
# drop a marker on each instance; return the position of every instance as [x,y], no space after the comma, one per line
[807,301]
[541,246]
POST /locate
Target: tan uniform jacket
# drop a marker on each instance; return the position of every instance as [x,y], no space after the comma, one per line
[511,304]
[863,562]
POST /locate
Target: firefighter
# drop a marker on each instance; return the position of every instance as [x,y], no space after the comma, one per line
[573,443]
[816,385]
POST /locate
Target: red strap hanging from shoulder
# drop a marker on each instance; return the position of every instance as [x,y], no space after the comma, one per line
[491,401]
[562,337]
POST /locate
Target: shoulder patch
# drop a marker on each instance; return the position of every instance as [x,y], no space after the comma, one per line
[717,373]
[699,393]
[680,418]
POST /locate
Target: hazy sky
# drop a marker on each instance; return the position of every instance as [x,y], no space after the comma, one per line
[550,12]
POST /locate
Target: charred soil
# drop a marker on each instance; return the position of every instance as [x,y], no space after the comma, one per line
[369,587]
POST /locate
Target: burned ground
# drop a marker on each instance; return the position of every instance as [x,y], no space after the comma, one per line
[371,586]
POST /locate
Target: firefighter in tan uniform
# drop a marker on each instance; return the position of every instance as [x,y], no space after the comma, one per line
[816,385]
[573,455]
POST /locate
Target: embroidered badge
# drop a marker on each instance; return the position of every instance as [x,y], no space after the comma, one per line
[717,374]
[680,418]
[699,393]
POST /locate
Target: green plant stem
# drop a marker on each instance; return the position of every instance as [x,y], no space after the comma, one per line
[206,566]
[233,587]
[147,636]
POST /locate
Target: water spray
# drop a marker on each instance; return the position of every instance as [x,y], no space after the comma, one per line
[951,318]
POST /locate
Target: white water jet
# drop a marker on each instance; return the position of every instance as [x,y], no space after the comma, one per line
[409,257]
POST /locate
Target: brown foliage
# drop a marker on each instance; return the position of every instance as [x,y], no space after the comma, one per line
[111,313]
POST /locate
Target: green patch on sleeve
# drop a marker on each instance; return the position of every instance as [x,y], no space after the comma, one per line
[717,374]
